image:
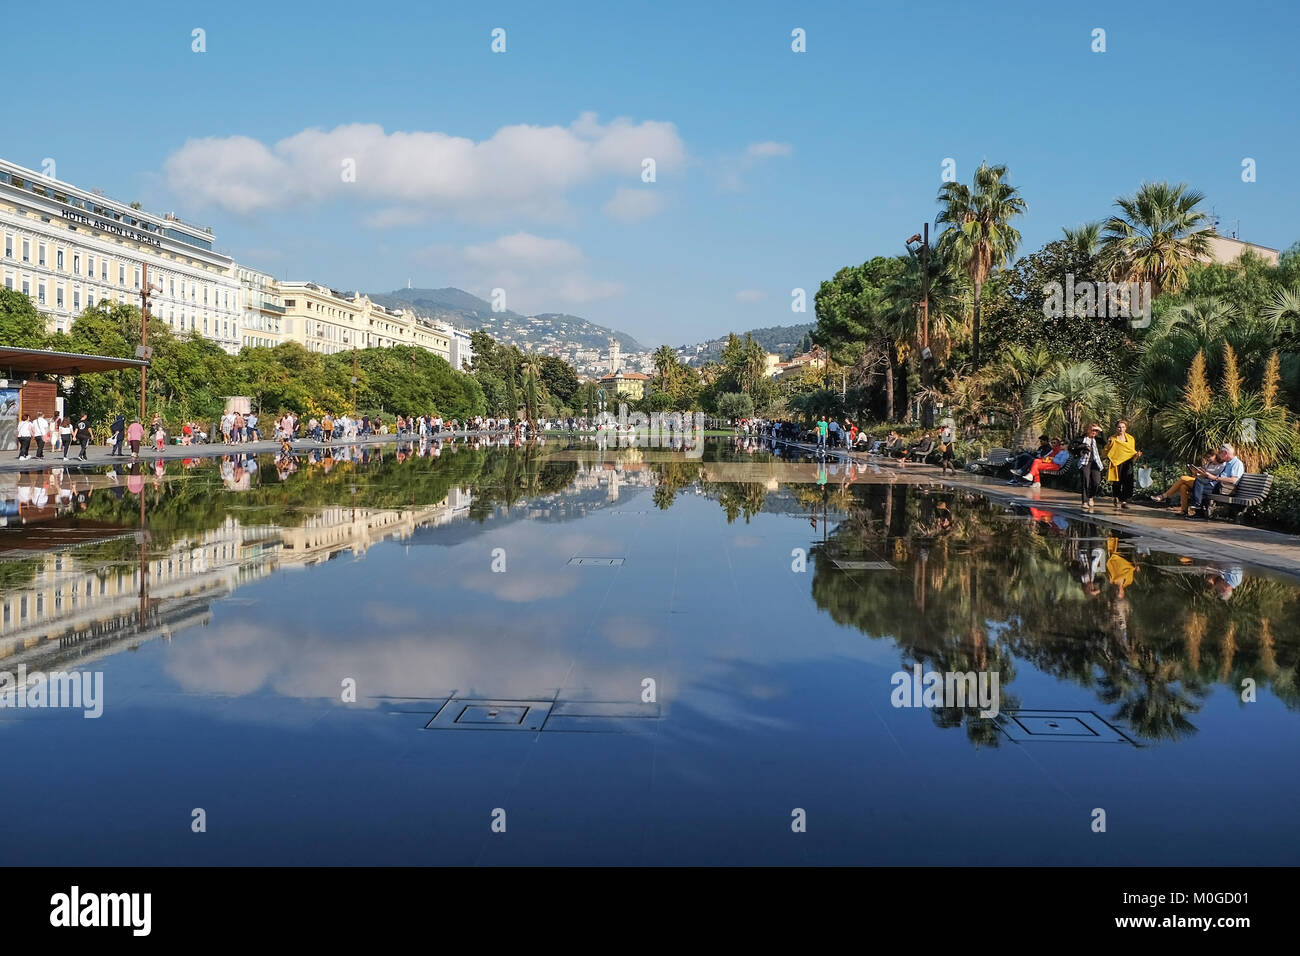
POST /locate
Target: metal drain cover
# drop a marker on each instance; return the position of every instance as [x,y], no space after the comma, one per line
[468,714]
[1082,726]
[597,562]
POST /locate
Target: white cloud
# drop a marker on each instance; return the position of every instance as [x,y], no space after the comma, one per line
[633,205]
[768,149]
[519,170]
[733,168]
[749,295]
[538,274]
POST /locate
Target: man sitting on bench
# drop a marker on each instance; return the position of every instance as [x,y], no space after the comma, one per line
[1021,465]
[921,450]
[1216,481]
[894,445]
[1055,459]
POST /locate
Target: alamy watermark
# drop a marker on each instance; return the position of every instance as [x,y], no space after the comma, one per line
[80,690]
[949,689]
[656,430]
[1098,300]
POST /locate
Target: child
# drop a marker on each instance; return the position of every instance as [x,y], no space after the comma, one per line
[159,437]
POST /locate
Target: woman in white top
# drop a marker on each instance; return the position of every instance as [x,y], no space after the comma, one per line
[1090,466]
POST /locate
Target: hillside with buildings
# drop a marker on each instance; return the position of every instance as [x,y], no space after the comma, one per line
[553,333]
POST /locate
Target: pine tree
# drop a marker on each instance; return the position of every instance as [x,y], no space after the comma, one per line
[1196,395]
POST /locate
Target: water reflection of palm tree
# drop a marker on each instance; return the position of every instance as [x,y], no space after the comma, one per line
[996,590]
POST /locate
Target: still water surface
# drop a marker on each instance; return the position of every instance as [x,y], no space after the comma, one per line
[769,603]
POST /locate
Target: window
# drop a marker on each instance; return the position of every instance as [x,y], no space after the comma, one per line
[58,296]
[103,270]
[172,283]
[121,274]
[27,286]
[27,250]
[9,246]
[137,277]
[9,280]
[40,293]
[58,260]
[76,264]
[40,253]
[76,299]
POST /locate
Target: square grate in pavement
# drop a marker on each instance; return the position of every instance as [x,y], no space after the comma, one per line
[1079,726]
[461,713]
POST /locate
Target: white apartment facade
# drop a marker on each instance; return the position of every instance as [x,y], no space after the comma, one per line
[68,248]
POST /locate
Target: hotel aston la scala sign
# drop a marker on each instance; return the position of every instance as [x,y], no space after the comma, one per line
[114,228]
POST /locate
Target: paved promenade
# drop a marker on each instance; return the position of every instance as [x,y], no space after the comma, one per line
[98,454]
[1158,528]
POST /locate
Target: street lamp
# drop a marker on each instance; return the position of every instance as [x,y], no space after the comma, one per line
[927,357]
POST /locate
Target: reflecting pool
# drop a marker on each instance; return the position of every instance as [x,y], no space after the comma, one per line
[561,653]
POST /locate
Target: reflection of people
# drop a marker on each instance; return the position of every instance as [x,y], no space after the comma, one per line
[943,516]
[1225,581]
[1119,569]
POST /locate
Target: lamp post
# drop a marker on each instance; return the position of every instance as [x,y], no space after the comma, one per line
[146,293]
[927,357]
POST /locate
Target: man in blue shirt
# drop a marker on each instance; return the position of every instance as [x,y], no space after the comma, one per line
[1219,478]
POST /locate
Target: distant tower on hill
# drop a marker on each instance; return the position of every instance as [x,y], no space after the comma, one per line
[615,356]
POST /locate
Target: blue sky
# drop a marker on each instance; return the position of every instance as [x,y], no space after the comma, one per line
[774,168]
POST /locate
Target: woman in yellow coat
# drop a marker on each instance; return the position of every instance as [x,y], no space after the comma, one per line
[1121,451]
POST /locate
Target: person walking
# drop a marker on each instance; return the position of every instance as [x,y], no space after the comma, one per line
[947,451]
[25,438]
[118,430]
[83,434]
[40,429]
[1121,451]
[65,435]
[1090,466]
[135,435]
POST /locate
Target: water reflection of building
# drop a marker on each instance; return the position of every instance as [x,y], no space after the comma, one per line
[78,605]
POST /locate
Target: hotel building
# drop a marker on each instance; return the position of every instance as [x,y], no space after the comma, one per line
[68,248]
[324,320]
[262,312]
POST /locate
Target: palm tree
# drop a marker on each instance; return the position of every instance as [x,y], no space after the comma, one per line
[532,366]
[1283,313]
[980,237]
[1070,394]
[905,292]
[1159,234]
[1085,241]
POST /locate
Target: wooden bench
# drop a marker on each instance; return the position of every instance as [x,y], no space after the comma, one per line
[995,459]
[1249,490]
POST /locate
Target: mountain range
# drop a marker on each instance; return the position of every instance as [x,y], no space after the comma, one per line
[560,332]
[541,332]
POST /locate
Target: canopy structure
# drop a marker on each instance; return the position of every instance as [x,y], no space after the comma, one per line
[20,362]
